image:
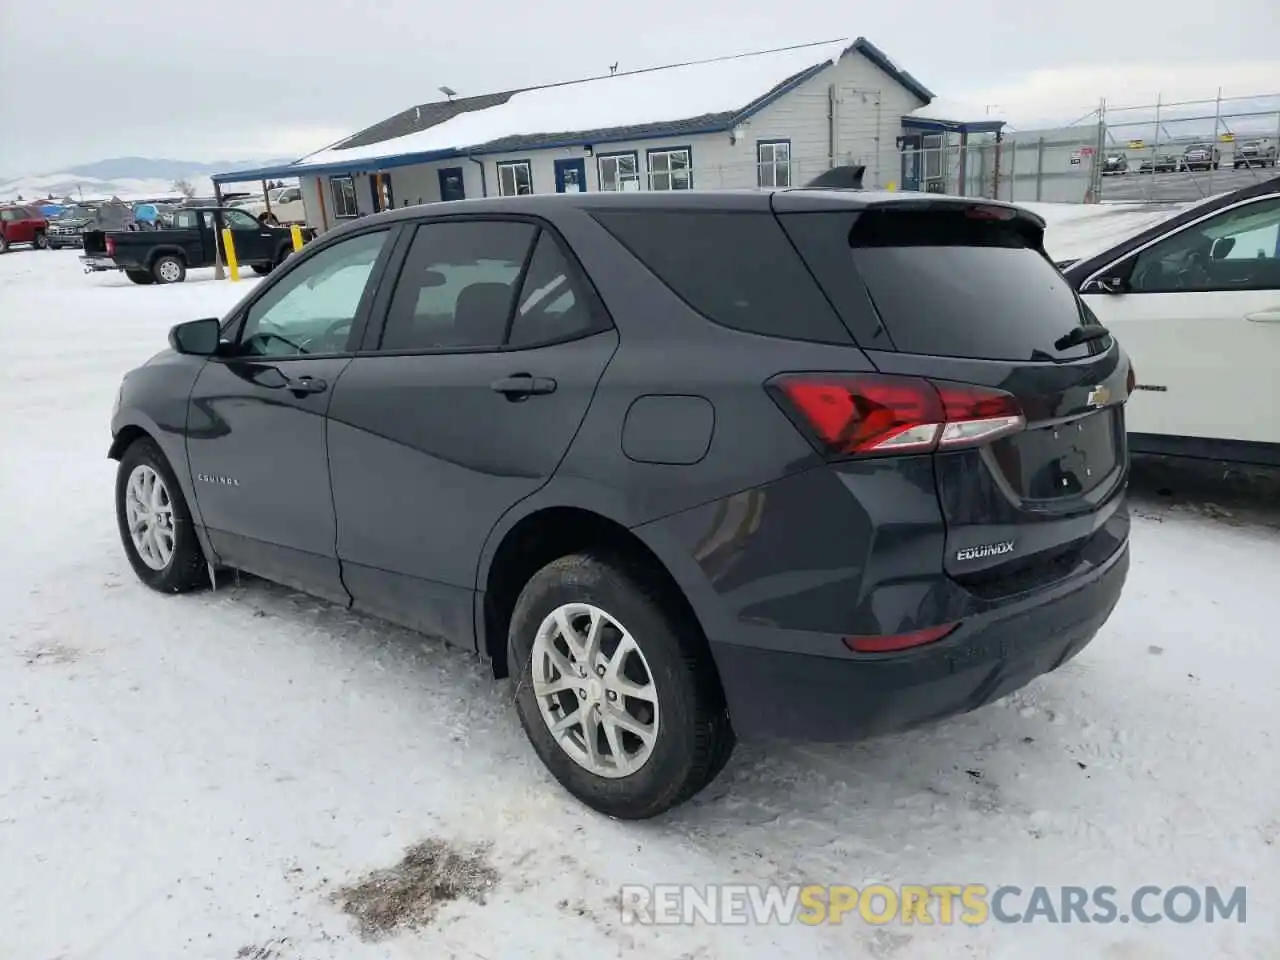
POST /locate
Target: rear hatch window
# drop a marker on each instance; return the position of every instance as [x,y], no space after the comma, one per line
[956,282]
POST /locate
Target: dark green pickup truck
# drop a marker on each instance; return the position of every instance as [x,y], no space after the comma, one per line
[164,256]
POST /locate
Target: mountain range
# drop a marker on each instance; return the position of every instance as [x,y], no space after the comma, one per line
[128,178]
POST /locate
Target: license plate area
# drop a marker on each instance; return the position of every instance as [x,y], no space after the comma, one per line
[1064,460]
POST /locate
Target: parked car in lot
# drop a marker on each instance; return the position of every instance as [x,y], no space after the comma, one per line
[823,463]
[1160,163]
[286,206]
[164,255]
[1255,153]
[1201,156]
[22,225]
[1195,301]
[71,222]
[1115,163]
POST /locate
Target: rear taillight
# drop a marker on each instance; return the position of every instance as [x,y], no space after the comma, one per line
[111,247]
[1130,382]
[850,415]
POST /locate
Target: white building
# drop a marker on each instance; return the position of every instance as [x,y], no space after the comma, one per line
[771,118]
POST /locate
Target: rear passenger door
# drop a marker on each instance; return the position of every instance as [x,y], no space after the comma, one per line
[462,403]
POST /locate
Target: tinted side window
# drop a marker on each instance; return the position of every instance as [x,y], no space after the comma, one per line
[457,286]
[185,220]
[552,305]
[737,269]
[312,308]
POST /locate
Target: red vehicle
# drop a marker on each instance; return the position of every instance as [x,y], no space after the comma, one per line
[22,225]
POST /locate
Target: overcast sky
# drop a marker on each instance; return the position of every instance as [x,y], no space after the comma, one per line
[82,80]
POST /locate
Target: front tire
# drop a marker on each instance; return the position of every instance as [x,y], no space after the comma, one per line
[155,525]
[40,241]
[169,269]
[615,688]
[261,269]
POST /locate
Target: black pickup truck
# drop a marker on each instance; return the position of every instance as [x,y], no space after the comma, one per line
[163,256]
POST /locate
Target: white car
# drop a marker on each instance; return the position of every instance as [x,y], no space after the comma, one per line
[286,205]
[1195,302]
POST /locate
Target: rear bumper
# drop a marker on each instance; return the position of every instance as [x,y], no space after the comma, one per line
[771,692]
[99,263]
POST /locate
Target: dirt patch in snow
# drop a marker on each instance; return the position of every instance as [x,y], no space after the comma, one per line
[54,653]
[409,895]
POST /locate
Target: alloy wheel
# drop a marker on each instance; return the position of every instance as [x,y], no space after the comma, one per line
[595,690]
[149,514]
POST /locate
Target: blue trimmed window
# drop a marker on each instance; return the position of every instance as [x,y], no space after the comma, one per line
[618,171]
[671,168]
[515,178]
[343,191]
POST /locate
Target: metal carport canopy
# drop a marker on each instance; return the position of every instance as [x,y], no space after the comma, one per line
[365,165]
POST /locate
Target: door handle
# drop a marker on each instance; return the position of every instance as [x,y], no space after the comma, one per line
[1265,316]
[302,386]
[523,385]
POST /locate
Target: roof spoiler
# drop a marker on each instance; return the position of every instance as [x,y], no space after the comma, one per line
[839,178]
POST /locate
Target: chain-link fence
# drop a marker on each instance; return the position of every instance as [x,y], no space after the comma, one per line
[1154,152]
[1187,150]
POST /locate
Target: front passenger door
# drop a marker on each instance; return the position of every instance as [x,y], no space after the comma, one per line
[255,421]
[1199,314]
[254,242]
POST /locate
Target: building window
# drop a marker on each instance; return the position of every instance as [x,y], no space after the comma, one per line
[773,163]
[343,190]
[619,171]
[671,169]
[515,178]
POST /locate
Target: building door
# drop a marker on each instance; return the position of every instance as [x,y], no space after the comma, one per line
[451,186]
[911,162]
[383,198]
[571,176]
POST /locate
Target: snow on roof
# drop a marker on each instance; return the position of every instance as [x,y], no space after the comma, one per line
[956,111]
[659,94]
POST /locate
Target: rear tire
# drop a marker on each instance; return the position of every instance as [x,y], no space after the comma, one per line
[141,277]
[261,269]
[4,245]
[683,713]
[166,554]
[169,269]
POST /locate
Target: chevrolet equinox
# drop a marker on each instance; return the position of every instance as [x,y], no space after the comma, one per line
[685,466]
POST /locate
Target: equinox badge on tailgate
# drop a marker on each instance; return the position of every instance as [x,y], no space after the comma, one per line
[986,550]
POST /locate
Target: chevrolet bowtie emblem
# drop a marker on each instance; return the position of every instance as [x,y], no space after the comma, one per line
[1098,396]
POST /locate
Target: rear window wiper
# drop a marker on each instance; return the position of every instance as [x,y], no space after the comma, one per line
[1079,335]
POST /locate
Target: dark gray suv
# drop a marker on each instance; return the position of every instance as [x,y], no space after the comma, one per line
[685,466]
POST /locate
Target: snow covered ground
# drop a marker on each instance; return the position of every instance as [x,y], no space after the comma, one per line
[192,776]
[1078,230]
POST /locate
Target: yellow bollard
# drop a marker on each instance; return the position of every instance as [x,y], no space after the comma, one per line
[296,232]
[233,266]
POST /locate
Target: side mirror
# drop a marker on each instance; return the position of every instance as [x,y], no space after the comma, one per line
[1111,285]
[197,338]
[1222,247]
